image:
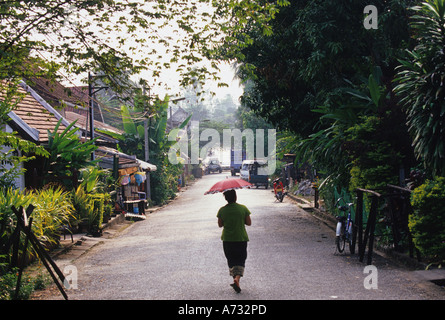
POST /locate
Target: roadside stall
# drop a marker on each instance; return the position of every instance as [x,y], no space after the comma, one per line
[133,178]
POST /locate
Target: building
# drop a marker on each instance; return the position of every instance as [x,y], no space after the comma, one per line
[31,119]
[33,116]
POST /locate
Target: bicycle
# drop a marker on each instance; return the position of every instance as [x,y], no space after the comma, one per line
[345,231]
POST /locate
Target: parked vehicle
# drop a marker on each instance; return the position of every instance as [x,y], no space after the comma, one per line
[250,172]
[346,230]
[236,159]
[213,166]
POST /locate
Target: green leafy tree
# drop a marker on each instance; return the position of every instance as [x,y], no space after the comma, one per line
[116,37]
[312,47]
[362,141]
[310,77]
[420,86]
[96,35]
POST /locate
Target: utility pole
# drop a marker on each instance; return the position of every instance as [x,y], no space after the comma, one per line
[147,148]
[91,110]
[147,144]
[91,94]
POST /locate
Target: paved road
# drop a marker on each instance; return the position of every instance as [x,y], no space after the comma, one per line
[177,254]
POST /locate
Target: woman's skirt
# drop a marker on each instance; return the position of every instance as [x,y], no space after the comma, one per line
[236,254]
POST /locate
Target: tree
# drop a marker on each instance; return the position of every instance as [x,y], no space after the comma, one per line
[312,47]
[224,110]
[103,35]
[420,80]
[113,37]
[310,77]
[83,35]
[164,180]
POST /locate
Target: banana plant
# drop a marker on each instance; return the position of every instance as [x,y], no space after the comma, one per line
[132,141]
[160,140]
[130,127]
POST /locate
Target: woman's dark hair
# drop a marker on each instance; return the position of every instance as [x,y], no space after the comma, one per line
[230,196]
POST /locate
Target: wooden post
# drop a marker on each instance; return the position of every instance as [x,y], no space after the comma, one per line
[359,219]
[370,225]
[22,264]
[43,255]
[75,179]
[371,222]
[316,205]
[407,211]
[116,167]
[35,183]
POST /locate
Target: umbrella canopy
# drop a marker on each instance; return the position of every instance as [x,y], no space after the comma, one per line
[228,184]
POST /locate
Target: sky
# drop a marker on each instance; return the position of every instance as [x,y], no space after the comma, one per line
[227,74]
[169,78]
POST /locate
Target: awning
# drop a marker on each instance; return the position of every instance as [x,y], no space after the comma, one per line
[132,161]
[146,166]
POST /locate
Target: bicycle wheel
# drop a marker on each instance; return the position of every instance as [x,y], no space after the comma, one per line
[340,240]
[352,239]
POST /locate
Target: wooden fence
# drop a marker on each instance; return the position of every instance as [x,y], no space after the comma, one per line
[397,208]
[24,223]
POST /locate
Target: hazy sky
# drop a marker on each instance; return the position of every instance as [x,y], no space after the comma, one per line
[168,82]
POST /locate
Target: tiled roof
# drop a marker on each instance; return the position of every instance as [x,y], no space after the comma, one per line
[37,116]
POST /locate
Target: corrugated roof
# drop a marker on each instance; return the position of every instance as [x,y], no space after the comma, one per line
[124,159]
[84,123]
[55,93]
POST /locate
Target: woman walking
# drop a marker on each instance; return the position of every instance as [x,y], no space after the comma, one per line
[233,218]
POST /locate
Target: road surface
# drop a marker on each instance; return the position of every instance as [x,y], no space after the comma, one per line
[176,254]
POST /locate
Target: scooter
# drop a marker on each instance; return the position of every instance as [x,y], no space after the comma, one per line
[279,190]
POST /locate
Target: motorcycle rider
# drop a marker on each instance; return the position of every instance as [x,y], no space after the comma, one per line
[278,188]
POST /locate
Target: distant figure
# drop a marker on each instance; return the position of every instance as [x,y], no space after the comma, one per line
[232,218]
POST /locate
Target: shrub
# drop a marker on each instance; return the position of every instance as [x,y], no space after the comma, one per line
[375,159]
[164,181]
[9,198]
[90,208]
[98,201]
[53,209]
[8,284]
[81,203]
[427,223]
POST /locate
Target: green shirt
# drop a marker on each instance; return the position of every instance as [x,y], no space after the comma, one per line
[234,216]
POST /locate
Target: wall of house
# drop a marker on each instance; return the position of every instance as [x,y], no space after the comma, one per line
[19,181]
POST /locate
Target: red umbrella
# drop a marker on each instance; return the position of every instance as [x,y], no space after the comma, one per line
[228,184]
